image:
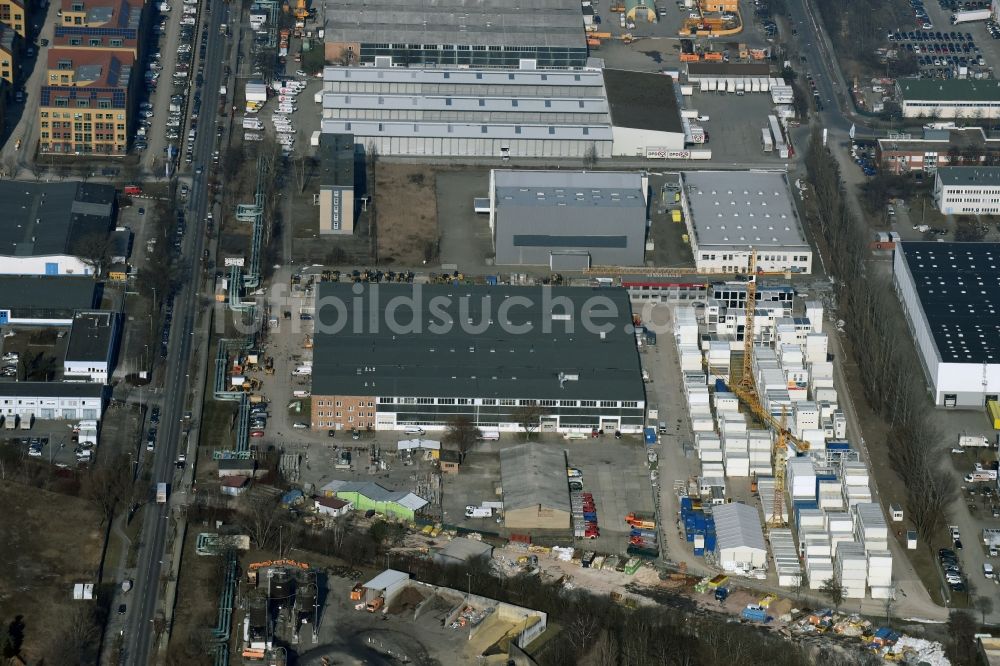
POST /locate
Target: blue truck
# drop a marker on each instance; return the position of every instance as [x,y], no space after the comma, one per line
[649,435]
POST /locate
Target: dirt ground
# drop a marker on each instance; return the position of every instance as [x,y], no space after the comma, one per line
[50,542]
[406,210]
[197,603]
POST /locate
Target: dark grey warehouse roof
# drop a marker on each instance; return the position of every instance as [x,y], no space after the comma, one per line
[958,285]
[47,297]
[640,100]
[437,354]
[336,160]
[51,389]
[552,23]
[91,336]
[43,219]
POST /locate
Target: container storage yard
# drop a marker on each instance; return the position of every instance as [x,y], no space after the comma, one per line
[781,431]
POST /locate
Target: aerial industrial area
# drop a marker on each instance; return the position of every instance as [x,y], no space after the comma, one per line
[465,332]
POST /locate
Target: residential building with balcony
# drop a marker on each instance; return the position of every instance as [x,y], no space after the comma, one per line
[14,13]
[84,107]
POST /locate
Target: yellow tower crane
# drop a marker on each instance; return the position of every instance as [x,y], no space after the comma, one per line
[746,392]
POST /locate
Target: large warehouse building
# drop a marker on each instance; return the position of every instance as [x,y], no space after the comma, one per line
[469,33]
[498,114]
[535,488]
[50,223]
[948,292]
[952,98]
[568,220]
[469,113]
[398,355]
[730,213]
[41,300]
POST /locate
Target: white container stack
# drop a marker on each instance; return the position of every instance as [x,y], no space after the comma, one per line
[690,358]
[726,403]
[765,492]
[855,479]
[852,569]
[806,416]
[819,570]
[870,527]
[840,526]
[718,354]
[786,557]
[814,313]
[709,446]
[830,496]
[880,573]
[817,345]
[759,444]
[800,477]
[685,325]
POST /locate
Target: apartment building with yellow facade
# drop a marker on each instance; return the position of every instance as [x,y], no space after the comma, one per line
[15,14]
[84,106]
[9,55]
[87,100]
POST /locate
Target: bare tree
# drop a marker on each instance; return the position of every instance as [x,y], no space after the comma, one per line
[590,156]
[462,433]
[984,604]
[833,590]
[529,417]
[260,517]
[95,251]
[75,639]
[110,485]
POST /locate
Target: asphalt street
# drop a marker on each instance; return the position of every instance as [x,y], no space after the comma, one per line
[139,632]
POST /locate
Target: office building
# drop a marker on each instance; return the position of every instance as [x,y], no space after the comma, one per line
[92,347]
[336,183]
[731,213]
[967,190]
[935,148]
[42,300]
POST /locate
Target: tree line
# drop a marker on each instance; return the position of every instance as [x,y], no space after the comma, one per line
[879,339]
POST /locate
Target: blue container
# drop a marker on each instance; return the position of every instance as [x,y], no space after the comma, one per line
[686,504]
[590,516]
[689,536]
[720,386]
[491,280]
[699,520]
[710,542]
[650,337]
[840,445]
[805,504]
[649,434]
[699,552]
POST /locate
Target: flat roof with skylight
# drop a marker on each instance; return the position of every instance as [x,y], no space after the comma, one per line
[742,209]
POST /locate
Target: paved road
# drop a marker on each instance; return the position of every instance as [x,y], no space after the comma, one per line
[139,628]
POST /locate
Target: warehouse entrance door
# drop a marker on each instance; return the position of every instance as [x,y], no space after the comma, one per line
[549,423]
[609,425]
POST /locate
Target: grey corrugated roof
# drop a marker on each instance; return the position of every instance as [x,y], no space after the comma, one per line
[488,101]
[534,475]
[640,100]
[958,285]
[469,130]
[91,336]
[577,189]
[740,209]
[43,219]
[552,23]
[51,389]
[738,526]
[377,493]
[45,296]
[970,176]
[353,357]
[464,76]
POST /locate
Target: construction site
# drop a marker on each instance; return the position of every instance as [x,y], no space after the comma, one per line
[281,599]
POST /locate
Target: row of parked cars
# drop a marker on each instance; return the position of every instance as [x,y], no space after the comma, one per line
[8,364]
[920,14]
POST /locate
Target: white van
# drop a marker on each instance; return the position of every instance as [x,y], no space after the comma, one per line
[413,430]
[490,435]
[575,435]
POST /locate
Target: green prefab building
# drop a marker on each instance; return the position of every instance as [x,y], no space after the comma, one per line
[367,495]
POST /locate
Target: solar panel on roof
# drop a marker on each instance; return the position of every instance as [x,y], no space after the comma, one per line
[66,31]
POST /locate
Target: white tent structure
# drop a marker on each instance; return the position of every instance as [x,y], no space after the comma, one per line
[740,543]
[411,444]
